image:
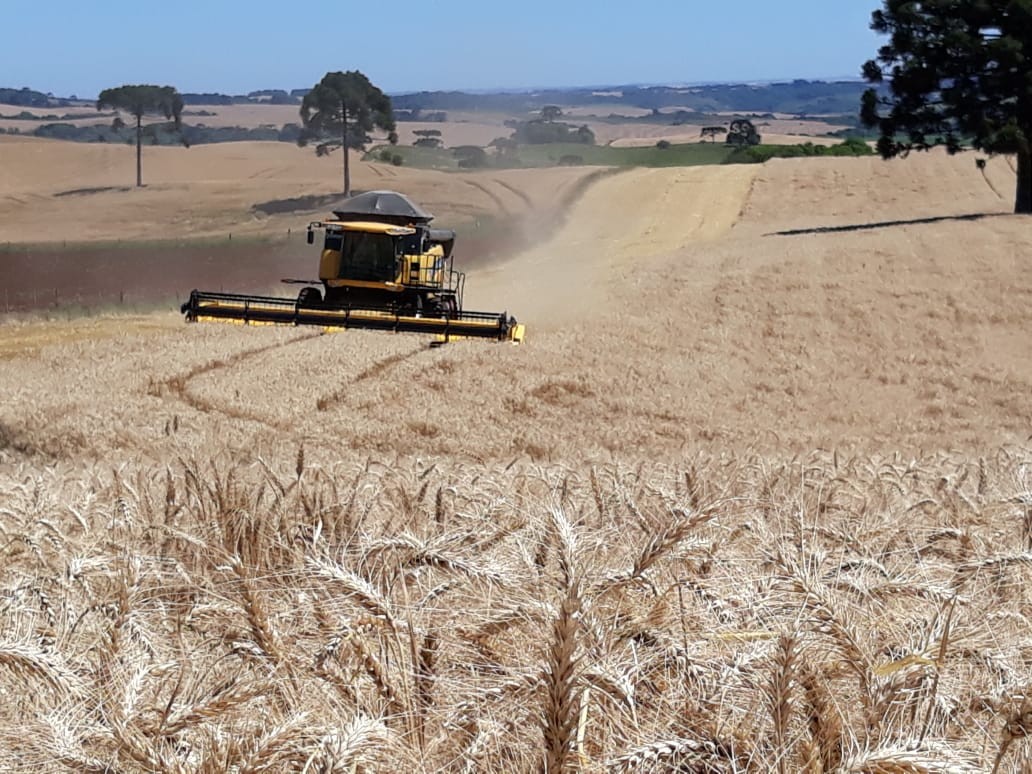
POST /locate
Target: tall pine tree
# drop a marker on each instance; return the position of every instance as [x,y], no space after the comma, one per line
[958,73]
[138,101]
[340,111]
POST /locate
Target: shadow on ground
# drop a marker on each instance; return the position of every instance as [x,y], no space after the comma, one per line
[88,191]
[886,224]
[300,203]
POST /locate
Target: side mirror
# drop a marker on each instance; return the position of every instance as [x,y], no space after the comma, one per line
[311,237]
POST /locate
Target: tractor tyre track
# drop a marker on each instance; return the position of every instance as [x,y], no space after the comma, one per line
[336,398]
[178,385]
[517,192]
[491,195]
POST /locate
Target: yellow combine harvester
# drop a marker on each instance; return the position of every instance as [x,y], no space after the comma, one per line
[382,267]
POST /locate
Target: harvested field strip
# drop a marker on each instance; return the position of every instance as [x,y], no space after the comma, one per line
[613,228]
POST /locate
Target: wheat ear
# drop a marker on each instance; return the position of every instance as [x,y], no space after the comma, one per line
[779,695]
[1018,726]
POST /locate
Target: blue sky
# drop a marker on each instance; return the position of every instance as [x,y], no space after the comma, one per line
[80,48]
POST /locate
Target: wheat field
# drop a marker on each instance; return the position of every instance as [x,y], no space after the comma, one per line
[756,495]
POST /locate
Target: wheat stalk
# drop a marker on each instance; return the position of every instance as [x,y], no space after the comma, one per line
[560,710]
[779,695]
[823,722]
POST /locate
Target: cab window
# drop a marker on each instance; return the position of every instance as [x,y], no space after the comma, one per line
[367,256]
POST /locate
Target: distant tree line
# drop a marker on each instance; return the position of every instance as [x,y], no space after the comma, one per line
[430,116]
[260,97]
[29,98]
[539,132]
[25,115]
[800,97]
[758,154]
[165,134]
[547,129]
[797,97]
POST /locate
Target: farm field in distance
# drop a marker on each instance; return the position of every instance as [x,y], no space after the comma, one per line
[757,487]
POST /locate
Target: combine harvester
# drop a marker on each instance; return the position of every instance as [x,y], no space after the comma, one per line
[383,268]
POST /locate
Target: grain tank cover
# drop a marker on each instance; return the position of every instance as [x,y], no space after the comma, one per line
[384,207]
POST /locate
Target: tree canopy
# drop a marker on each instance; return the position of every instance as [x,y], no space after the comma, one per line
[340,111]
[539,132]
[957,76]
[742,133]
[138,101]
[551,112]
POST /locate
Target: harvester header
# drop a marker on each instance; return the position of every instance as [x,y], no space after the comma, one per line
[381,267]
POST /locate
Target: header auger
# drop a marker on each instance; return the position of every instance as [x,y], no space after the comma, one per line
[383,268]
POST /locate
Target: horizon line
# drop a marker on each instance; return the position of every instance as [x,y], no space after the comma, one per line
[516,89]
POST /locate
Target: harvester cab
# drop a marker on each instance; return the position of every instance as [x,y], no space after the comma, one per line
[410,268]
[382,267]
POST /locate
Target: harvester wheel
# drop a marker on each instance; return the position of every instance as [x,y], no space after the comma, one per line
[449,309]
[309,297]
